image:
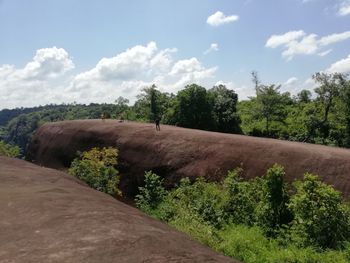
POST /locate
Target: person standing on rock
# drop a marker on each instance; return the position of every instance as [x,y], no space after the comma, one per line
[157,124]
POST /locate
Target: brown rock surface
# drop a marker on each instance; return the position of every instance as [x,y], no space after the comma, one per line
[48,216]
[177,152]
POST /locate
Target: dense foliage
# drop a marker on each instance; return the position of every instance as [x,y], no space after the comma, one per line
[19,130]
[320,218]
[9,150]
[152,193]
[322,117]
[260,220]
[96,167]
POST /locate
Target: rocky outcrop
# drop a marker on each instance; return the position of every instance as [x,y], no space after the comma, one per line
[49,216]
[177,152]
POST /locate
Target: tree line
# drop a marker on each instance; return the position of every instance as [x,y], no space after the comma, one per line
[321,117]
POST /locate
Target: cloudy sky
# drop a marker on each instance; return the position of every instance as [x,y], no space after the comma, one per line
[95,51]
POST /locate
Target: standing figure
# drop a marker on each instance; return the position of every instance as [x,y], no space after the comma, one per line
[157,124]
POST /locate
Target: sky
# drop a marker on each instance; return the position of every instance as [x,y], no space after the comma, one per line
[95,51]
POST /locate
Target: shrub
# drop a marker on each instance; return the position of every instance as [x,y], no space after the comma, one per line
[9,150]
[272,211]
[194,225]
[248,220]
[204,199]
[320,217]
[96,168]
[242,198]
[152,193]
[207,199]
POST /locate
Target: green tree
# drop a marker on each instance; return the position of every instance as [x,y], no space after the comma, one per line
[151,103]
[255,79]
[96,167]
[320,219]
[329,89]
[271,104]
[302,122]
[345,97]
[304,96]
[152,193]
[224,107]
[121,107]
[9,150]
[272,211]
[193,108]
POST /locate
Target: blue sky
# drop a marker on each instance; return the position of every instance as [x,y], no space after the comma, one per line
[95,51]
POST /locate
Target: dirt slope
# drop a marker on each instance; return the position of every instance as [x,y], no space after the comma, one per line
[177,152]
[48,216]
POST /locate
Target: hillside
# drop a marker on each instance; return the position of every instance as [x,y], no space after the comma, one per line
[176,152]
[49,216]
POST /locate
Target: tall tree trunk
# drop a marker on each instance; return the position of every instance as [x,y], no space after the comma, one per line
[347,139]
[268,126]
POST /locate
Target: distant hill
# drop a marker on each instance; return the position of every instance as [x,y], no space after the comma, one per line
[17,125]
[6,114]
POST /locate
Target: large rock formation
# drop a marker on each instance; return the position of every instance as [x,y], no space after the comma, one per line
[48,216]
[177,152]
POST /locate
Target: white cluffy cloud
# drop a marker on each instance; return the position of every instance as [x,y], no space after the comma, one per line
[325,53]
[219,18]
[341,66]
[344,8]
[213,47]
[32,84]
[48,62]
[46,78]
[128,72]
[299,43]
[136,61]
[291,81]
[277,40]
[190,70]
[243,91]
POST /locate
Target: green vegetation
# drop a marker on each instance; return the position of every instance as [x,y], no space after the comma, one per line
[250,245]
[19,130]
[9,150]
[322,117]
[260,220]
[152,193]
[320,218]
[96,167]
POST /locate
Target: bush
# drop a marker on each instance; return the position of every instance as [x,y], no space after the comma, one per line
[252,220]
[9,150]
[152,193]
[272,211]
[96,168]
[204,198]
[242,198]
[320,217]
[194,225]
